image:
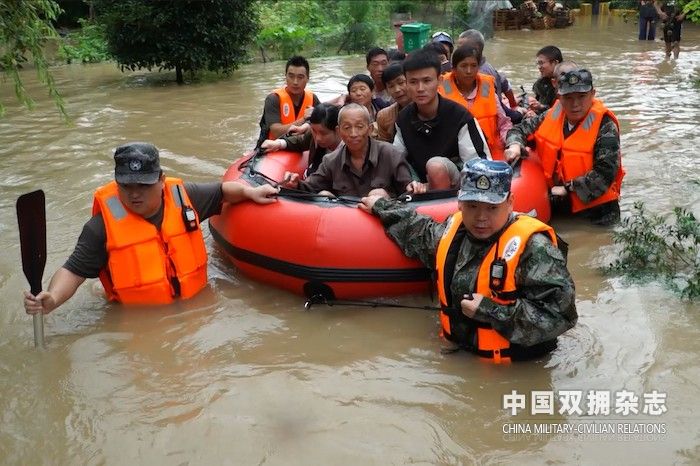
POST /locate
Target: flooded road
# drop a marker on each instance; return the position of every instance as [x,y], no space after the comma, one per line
[241,374]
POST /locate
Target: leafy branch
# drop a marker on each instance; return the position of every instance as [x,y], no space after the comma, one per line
[25,26]
[653,249]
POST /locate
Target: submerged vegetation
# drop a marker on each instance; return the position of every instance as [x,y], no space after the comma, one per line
[653,248]
[86,45]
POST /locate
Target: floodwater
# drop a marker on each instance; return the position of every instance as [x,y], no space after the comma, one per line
[242,374]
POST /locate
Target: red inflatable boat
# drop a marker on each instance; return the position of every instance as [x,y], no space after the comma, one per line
[306,243]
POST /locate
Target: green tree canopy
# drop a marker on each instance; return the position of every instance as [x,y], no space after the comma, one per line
[25,26]
[185,35]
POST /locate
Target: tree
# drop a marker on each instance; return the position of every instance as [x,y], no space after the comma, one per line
[185,35]
[25,26]
[692,10]
[360,33]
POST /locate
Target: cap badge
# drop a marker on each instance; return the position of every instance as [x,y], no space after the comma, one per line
[573,79]
[483,182]
[135,165]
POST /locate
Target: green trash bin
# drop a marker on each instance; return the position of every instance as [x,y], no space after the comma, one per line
[415,36]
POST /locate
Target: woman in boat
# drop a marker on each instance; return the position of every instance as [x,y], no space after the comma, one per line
[318,136]
[477,93]
[360,88]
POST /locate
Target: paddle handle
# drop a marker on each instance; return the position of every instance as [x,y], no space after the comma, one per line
[38,330]
[38,319]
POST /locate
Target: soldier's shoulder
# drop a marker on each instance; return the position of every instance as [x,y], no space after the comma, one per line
[541,248]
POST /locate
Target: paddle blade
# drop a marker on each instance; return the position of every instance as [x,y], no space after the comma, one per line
[31,217]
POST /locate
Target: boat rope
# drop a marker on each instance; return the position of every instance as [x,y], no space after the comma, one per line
[322,299]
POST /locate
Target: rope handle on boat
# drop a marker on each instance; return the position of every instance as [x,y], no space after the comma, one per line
[299,194]
[427,196]
[350,200]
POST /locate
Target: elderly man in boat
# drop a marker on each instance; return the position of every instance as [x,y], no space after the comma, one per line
[361,166]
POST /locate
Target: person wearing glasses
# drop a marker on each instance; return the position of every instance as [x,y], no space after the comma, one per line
[545,94]
[578,143]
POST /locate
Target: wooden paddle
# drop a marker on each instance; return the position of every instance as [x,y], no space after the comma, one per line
[31,217]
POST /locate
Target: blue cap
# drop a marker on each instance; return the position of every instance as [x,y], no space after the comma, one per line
[442,36]
[485,181]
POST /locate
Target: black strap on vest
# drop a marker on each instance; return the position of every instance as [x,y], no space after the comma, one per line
[462,328]
[450,262]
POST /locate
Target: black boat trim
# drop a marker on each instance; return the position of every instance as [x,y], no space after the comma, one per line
[323,274]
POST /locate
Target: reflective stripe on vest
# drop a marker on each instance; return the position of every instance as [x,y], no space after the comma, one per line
[145,265]
[484,108]
[511,245]
[566,159]
[287,113]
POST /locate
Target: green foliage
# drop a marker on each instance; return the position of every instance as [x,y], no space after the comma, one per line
[692,11]
[72,12]
[572,4]
[405,6]
[187,35]
[361,34]
[85,46]
[461,12]
[624,4]
[653,248]
[25,27]
[321,27]
[285,40]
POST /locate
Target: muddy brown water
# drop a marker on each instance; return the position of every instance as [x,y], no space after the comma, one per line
[243,375]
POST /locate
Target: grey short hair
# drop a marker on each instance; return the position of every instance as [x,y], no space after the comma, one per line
[354,106]
[564,67]
[474,35]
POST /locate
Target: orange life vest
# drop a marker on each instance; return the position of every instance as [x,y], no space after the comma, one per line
[287,113]
[484,108]
[511,244]
[565,159]
[144,265]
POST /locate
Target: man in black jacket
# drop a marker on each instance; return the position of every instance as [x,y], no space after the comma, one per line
[436,135]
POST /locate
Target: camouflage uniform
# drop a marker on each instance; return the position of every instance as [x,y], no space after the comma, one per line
[545,93]
[606,163]
[546,307]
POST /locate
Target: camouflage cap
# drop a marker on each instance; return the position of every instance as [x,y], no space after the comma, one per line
[485,181]
[578,80]
[137,163]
